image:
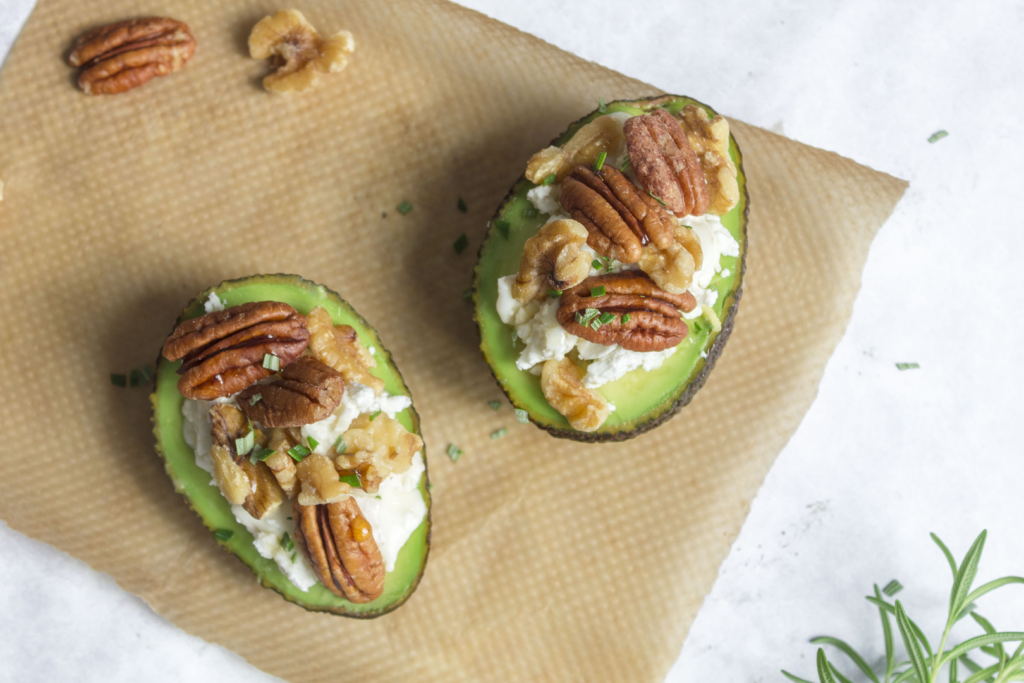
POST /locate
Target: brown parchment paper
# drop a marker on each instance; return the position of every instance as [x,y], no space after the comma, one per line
[551,561]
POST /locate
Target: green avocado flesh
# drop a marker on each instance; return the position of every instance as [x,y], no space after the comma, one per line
[206,499]
[642,399]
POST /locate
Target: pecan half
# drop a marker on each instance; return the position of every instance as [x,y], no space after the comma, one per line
[619,218]
[655,322]
[127,54]
[338,542]
[308,391]
[242,482]
[222,352]
[665,163]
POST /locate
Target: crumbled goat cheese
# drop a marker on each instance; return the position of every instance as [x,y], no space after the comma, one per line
[213,303]
[357,400]
[267,534]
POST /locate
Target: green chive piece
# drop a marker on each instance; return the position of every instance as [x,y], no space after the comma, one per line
[462,205]
[461,244]
[313,443]
[601,105]
[352,480]
[502,225]
[657,198]
[287,543]
[936,136]
[497,434]
[530,212]
[373,415]
[271,362]
[259,454]
[907,366]
[515,335]
[595,324]
[892,588]
[600,161]
[255,399]
[134,377]
[596,264]
[404,208]
[147,373]
[454,452]
[379,498]
[550,180]
[495,405]
[223,534]
[295,555]
[118,380]
[598,291]
[625,318]
[697,326]
[522,415]
[246,443]
[298,452]
[340,446]
[554,293]
[606,318]
[625,165]
[467,294]
[588,315]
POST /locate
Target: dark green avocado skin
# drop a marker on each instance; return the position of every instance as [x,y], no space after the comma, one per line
[696,381]
[338,606]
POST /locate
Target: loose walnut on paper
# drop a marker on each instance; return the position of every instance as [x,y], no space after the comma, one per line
[299,52]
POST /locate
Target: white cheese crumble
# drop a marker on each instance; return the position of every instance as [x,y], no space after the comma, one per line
[536,325]
[213,303]
[267,534]
[395,511]
[197,429]
[610,366]
[545,199]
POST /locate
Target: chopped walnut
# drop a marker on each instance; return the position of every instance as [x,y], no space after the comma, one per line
[376,448]
[251,485]
[339,348]
[302,55]
[710,140]
[603,134]
[562,384]
[552,259]
[321,482]
[672,268]
[280,463]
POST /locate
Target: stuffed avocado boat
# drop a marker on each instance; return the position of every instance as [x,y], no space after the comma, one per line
[609,278]
[287,427]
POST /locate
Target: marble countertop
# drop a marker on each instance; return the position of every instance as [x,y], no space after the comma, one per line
[882,458]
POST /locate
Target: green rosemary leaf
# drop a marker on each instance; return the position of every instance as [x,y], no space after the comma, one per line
[404,208]
[601,107]
[554,293]
[352,480]
[522,416]
[596,264]
[986,639]
[625,165]
[890,650]
[503,225]
[991,586]
[910,642]
[461,243]
[953,677]
[824,670]
[849,652]
[134,378]
[223,534]
[530,212]
[454,452]
[600,161]
[495,405]
[550,180]
[892,588]
[467,294]
[515,336]
[839,676]
[984,674]
[461,205]
[945,551]
[907,366]
[936,136]
[795,679]
[965,576]
[498,433]
[118,380]
[657,198]
[985,624]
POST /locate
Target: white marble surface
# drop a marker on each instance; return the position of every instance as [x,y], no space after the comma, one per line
[883,457]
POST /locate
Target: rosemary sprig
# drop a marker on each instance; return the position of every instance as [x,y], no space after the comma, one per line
[924,664]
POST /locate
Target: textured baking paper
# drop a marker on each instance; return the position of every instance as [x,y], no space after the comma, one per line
[551,561]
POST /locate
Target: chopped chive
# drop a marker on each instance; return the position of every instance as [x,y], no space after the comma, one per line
[625,318]
[374,415]
[467,294]
[657,198]
[134,377]
[502,225]
[287,543]
[118,380]
[246,443]
[522,415]
[313,443]
[606,318]
[340,446]
[554,293]
[223,534]
[378,498]
[907,366]
[515,335]
[586,316]
[600,161]
[298,452]
[601,106]
[462,205]
[404,208]
[625,165]
[937,135]
[550,180]
[461,244]
[259,454]
[596,264]
[271,362]
[595,324]
[352,480]
[697,326]
[495,405]
[454,452]
[255,399]
[530,212]
[294,554]
[892,588]
[147,373]
[497,434]
[598,291]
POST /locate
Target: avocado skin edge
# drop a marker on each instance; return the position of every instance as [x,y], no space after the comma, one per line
[299,282]
[716,348]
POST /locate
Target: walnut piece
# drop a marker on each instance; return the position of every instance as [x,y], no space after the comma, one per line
[124,55]
[672,268]
[710,141]
[338,542]
[280,463]
[307,391]
[655,322]
[665,163]
[376,448]
[552,259]
[562,384]
[619,218]
[222,352]
[603,134]
[339,348]
[252,486]
[320,481]
[301,55]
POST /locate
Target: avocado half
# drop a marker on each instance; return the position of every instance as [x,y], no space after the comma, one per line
[206,499]
[643,400]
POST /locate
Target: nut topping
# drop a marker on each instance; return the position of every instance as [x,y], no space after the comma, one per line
[300,53]
[654,320]
[338,542]
[127,54]
[710,141]
[603,134]
[320,481]
[665,163]
[376,448]
[672,268]
[552,259]
[308,391]
[223,351]
[280,463]
[252,486]
[339,348]
[562,384]
[619,218]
